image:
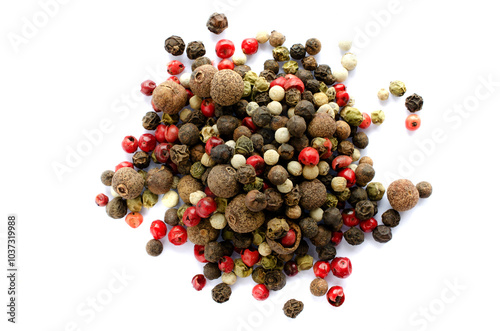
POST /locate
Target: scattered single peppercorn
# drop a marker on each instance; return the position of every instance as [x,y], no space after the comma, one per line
[293,308]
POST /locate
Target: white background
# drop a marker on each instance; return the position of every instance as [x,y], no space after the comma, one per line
[84,65]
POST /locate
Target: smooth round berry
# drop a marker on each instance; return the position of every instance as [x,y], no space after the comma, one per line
[147,87]
[257,162]
[211,143]
[160,133]
[225,64]
[337,237]
[250,46]
[367,121]
[289,239]
[260,292]
[339,87]
[171,133]
[412,122]
[158,229]
[249,257]
[175,67]
[349,175]
[349,218]
[368,225]
[335,296]
[342,98]
[199,253]
[199,281]
[191,217]
[101,199]
[291,268]
[341,267]
[174,79]
[224,48]
[130,144]
[124,164]
[226,264]
[321,269]
[309,156]
[209,192]
[147,142]
[206,207]
[162,152]
[178,235]
[248,122]
[134,219]
[208,107]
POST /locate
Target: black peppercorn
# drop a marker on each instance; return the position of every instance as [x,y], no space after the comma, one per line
[391,218]
[242,70]
[171,217]
[275,280]
[364,210]
[309,63]
[246,174]
[243,146]
[262,98]
[364,174]
[272,65]
[414,103]
[292,96]
[257,141]
[313,85]
[293,308]
[141,160]
[354,236]
[277,175]
[211,271]
[286,152]
[213,251]
[332,218]
[360,140]
[297,51]
[322,71]
[357,194]
[227,247]
[217,23]
[309,227]
[221,293]
[326,252]
[189,134]
[175,45]
[305,109]
[323,236]
[268,75]
[154,247]
[226,125]
[308,95]
[195,49]
[242,240]
[278,122]
[274,199]
[201,61]
[261,116]
[304,75]
[151,120]
[116,208]
[313,46]
[382,234]
[313,194]
[345,148]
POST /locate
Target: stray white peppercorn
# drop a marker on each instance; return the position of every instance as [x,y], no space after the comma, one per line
[323,168]
[252,107]
[282,135]
[383,94]
[238,160]
[229,278]
[218,221]
[277,93]
[231,143]
[351,102]
[340,74]
[239,59]
[275,108]
[326,108]
[291,112]
[170,199]
[264,249]
[349,61]
[356,155]
[114,194]
[345,45]
[271,157]
[184,79]
[294,168]
[207,161]
[195,102]
[310,172]
[286,187]
[316,214]
[262,37]
[352,166]
[339,184]
[196,196]
[335,107]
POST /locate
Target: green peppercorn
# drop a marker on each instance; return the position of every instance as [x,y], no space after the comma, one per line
[149,199]
[258,184]
[352,116]
[290,67]
[181,210]
[241,269]
[375,191]
[135,205]
[269,262]
[261,85]
[397,88]
[251,77]
[259,236]
[305,262]
[378,117]
[331,201]
[197,170]
[281,54]
[259,275]
[244,146]
[344,195]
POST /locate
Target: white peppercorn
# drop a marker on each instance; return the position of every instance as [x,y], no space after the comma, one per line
[264,249]
[229,278]
[340,74]
[239,59]
[271,157]
[286,187]
[252,107]
[282,135]
[352,166]
[351,102]
[262,37]
[316,214]
[195,102]
[349,61]
[326,108]
[206,133]
[320,99]
[335,107]
[339,184]
[231,143]
[196,196]
[238,160]
[323,168]
[383,94]
[216,130]
[184,79]
[277,93]
[275,108]
[345,45]
[207,161]
[356,155]
[291,112]
[184,113]
[218,221]
[114,194]
[310,172]
[294,168]
[170,199]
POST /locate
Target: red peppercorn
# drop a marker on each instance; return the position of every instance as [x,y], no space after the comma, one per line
[341,267]
[101,199]
[289,239]
[260,292]
[265,186]
[337,237]
[342,98]
[412,122]
[292,81]
[209,192]
[154,107]
[206,207]
[291,268]
[190,95]
[226,264]
[335,296]
[199,281]
[225,64]
[339,87]
[124,164]
[130,144]
[175,67]
[208,107]
[321,269]
[178,235]
[199,253]
[248,122]
[172,133]
[250,258]
[191,217]
[309,156]
[211,143]
[258,163]
[134,219]
[224,48]
[158,229]
[250,46]
[328,145]
[367,121]
[147,87]
[349,175]
[349,218]
[162,152]
[174,79]
[160,133]
[340,162]
[280,81]
[368,225]
[147,142]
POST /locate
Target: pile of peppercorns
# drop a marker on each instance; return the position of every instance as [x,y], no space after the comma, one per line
[265,165]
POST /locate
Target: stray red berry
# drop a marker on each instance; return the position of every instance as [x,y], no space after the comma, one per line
[337,237]
[174,79]
[225,64]
[147,142]
[349,175]
[289,239]
[309,156]
[260,292]
[349,218]
[175,67]
[336,296]
[199,281]
[224,48]
[280,81]
[171,133]
[124,164]
[339,87]
[368,225]
[341,267]
[258,163]
[321,269]
[206,207]
[250,46]
[412,122]
[199,253]
[342,98]
[208,107]
[130,144]
[178,235]
[134,219]
[160,133]
[291,268]
[162,152]
[367,121]
[250,258]
[226,264]
[147,87]
[158,229]
[191,217]
[101,199]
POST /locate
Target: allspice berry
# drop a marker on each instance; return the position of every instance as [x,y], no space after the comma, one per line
[424,189]
[116,208]
[169,97]
[201,80]
[203,233]
[313,194]
[322,125]
[154,247]
[226,87]
[402,195]
[255,201]
[296,125]
[187,185]
[364,174]
[211,271]
[159,180]
[343,130]
[128,183]
[107,177]
[319,287]
[223,182]
[240,219]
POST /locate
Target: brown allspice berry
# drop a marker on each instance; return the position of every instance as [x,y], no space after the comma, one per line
[277,175]
[211,270]
[196,152]
[169,97]
[222,181]
[424,189]
[296,125]
[323,236]
[159,180]
[255,201]
[227,87]
[364,174]
[187,185]
[366,159]
[293,212]
[107,177]
[246,174]
[189,134]
[171,217]
[128,183]
[276,38]
[322,125]
[154,247]
[203,233]
[276,245]
[313,194]
[278,122]
[402,195]
[201,80]
[213,251]
[241,131]
[241,219]
[360,140]
[217,23]
[318,287]
[117,208]
[343,130]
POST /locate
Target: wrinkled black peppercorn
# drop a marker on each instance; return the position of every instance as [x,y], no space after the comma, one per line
[354,236]
[221,293]
[195,49]
[217,23]
[364,210]
[391,218]
[414,103]
[293,308]
[151,120]
[297,51]
[175,45]
[382,234]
